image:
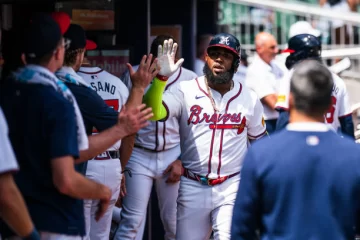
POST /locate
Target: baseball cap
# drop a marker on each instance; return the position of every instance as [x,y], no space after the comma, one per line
[63,19]
[76,34]
[227,41]
[302,27]
[41,36]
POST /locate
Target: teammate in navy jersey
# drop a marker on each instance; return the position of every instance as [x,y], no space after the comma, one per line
[303,183]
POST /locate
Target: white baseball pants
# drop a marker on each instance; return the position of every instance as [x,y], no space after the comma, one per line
[107,172]
[116,217]
[146,167]
[202,208]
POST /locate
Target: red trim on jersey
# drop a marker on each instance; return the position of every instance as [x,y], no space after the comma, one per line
[164,130]
[206,94]
[220,151]
[164,121]
[212,138]
[222,131]
[177,78]
[211,150]
[255,137]
[167,112]
[156,135]
[346,115]
[92,72]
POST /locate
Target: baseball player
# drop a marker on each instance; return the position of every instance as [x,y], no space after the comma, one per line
[12,205]
[155,151]
[106,167]
[217,116]
[306,46]
[303,183]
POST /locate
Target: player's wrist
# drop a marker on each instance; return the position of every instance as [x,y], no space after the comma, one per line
[119,131]
[105,193]
[162,77]
[138,89]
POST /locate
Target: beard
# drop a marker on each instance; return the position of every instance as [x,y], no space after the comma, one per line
[221,78]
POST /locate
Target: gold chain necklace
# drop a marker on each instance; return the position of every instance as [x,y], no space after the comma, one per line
[210,94]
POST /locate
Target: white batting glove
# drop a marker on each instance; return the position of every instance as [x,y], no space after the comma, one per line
[166,58]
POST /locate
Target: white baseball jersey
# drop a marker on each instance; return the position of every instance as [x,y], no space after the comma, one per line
[340,100]
[7,157]
[212,144]
[240,74]
[109,87]
[161,135]
[265,80]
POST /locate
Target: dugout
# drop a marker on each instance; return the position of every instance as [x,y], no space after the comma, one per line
[128,27]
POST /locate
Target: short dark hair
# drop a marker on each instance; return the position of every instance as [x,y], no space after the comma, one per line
[159,40]
[311,86]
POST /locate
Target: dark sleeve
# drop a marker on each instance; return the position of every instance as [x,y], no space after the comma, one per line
[246,209]
[61,129]
[283,120]
[94,110]
[347,126]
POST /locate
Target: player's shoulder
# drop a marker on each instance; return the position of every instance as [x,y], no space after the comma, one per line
[247,92]
[188,74]
[265,145]
[52,101]
[191,84]
[338,81]
[85,71]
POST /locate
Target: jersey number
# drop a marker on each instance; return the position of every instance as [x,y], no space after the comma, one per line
[330,114]
[114,103]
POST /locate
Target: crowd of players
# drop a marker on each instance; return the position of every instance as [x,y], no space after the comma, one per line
[75,139]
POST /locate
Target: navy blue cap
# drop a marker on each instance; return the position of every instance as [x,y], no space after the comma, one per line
[41,37]
[76,34]
[227,41]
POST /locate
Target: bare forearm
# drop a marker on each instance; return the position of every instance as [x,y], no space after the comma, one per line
[83,188]
[135,97]
[13,209]
[99,143]
[270,101]
[127,146]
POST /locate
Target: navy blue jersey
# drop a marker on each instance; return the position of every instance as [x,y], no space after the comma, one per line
[299,185]
[95,112]
[42,127]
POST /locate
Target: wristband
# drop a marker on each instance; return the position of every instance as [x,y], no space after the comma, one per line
[162,77]
[34,235]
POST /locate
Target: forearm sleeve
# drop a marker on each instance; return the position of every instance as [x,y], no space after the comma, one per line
[153,98]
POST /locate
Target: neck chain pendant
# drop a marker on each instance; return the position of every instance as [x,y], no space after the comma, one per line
[216,110]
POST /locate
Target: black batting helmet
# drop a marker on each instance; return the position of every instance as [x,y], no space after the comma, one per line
[301,47]
[229,42]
